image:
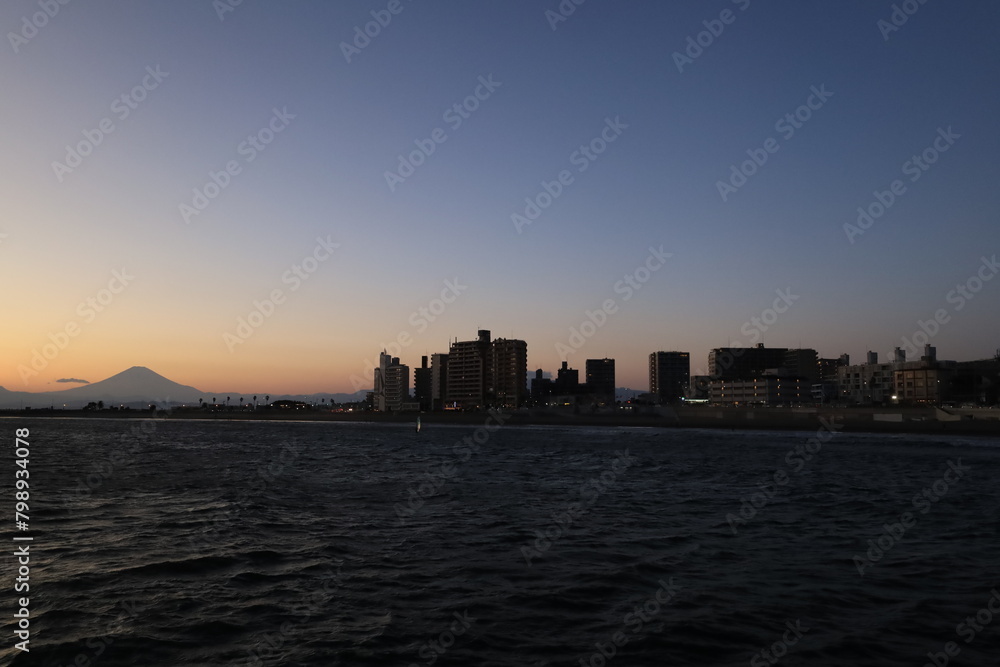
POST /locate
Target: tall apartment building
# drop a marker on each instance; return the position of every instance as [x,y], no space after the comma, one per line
[469,370]
[509,358]
[802,363]
[485,373]
[669,375]
[439,381]
[541,387]
[567,380]
[392,384]
[601,377]
[422,384]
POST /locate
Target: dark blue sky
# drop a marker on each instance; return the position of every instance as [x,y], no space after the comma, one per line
[656,184]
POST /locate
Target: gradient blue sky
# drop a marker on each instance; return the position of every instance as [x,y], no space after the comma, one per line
[324,176]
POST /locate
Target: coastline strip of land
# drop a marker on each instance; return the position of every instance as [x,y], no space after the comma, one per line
[929,420]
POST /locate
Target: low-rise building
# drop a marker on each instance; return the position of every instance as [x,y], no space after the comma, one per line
[763,390]
[925,381]
[868,383]
[977,382]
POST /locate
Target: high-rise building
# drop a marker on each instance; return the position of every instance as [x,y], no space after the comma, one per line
[397,385]
[567,380]
[422,384]
[392,384]
[378,393]
[601,377]
[541,387]
[485,373]
[669,375]
[509,359]
[439,381]
[469,370]
[802,363]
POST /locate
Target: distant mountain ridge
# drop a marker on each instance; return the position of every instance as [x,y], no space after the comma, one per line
[138,387]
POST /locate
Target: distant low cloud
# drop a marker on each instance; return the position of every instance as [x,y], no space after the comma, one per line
[73,380]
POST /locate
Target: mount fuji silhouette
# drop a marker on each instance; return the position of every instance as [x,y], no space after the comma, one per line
[137,385]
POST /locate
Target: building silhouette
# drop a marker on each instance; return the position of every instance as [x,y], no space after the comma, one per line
[422,384]
[392,384]
[541,388]
[977,382]
[669,375]
[483,373]
[439,381]
[600,375]
[509,358]
[747,363]
[567,380]
[469,371]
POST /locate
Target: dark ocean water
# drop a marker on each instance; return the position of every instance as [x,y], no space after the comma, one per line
[256,543]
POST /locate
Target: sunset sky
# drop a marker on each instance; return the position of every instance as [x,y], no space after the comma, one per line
[169,275]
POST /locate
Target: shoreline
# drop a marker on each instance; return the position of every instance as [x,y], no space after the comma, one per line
[929,421]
